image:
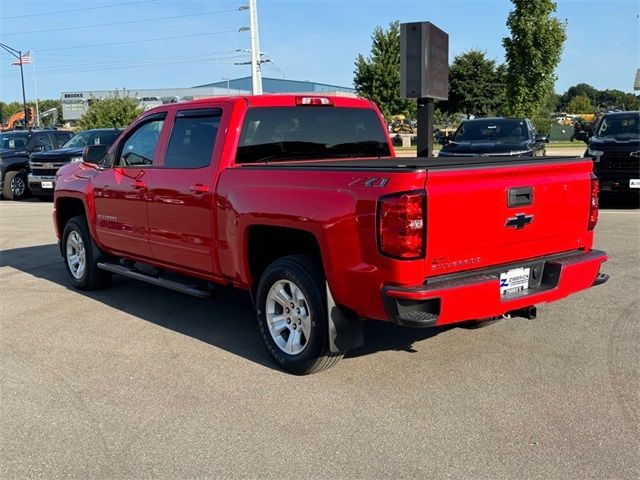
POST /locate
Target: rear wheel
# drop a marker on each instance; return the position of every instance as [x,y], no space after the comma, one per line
[292,315]
[82,256]
[15,186]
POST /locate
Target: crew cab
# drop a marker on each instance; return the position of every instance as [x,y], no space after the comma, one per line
[615,150]
[498,136]
[43,166]
[15,148]
[301,201]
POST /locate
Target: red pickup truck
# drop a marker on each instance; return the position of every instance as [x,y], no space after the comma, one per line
[301,201]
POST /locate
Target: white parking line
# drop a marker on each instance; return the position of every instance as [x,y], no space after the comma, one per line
[620,212]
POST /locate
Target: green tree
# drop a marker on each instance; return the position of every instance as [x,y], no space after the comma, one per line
[377,77]
[117,111]
[580,104]
[617,99]
[581,89]
[601,99]
[476,85]
[533,52]
[551,104]
[8,109]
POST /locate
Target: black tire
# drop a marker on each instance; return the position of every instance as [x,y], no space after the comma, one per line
[15,186]
[307,276]
[91,278]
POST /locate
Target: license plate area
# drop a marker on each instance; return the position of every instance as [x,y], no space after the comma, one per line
[47,184]
[634,183]
[514,281]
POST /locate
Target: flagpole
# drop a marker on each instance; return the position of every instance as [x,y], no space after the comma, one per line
[35,88]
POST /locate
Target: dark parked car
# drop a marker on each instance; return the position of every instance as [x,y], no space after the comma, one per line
[615,149]
[45,165]
[494,137]
[15,148]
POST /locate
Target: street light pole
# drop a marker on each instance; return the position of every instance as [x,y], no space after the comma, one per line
[18,54]
[24,98]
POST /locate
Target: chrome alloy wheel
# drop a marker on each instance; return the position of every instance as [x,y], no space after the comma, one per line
[76,255]
[18,186]
[288,317]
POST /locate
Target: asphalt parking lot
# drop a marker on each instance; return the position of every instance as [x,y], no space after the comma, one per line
[140,382]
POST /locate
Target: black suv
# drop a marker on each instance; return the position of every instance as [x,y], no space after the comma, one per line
[615,149]
[15,148]
[45,165]
[494,137]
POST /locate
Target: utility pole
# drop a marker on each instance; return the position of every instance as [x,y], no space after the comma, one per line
[18,55]
[256,75]
[227,79]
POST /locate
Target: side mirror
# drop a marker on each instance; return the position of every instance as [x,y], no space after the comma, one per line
[582,135]
[542,139]
[37,148]
[94,153]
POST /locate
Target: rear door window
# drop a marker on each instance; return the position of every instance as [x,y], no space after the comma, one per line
[42,141]
[274,134]
[193,138]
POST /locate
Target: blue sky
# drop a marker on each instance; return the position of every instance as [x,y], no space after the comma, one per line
[306,39]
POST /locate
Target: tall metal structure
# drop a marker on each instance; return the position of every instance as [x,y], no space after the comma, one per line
[18,54]
[256,74]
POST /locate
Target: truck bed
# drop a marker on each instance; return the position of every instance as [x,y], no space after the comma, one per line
[412,163]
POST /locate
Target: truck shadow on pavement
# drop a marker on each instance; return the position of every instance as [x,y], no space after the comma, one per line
[227,321]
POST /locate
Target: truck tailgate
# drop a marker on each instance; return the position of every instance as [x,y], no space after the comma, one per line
[470,223]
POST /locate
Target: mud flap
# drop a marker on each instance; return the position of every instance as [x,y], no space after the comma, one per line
[344,333]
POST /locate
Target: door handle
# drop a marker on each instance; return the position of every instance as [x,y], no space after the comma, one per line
[138,184]
[199,188]
[520,196]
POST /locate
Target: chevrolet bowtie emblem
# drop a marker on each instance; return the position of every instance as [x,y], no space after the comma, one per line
[519,221]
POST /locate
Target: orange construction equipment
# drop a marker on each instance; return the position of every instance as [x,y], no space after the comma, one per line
[17,119]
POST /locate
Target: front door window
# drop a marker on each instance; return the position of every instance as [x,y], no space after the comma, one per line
[139,148]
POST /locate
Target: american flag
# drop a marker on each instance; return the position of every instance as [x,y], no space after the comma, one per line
[23,60]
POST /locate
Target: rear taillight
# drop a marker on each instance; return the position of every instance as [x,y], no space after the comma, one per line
[593,208]
[401,225]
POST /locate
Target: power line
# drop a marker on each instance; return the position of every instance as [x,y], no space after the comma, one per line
[128,42]
[77,10]
[133,65]
[133,61]
[127,22]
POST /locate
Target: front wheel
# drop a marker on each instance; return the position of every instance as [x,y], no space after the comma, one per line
[15,186]
[82,256]
[292,315]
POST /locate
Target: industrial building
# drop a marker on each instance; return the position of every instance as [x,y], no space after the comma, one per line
[76,103]
[280,85]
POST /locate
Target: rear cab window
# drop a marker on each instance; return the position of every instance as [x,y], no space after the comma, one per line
[62,138]
[272,134]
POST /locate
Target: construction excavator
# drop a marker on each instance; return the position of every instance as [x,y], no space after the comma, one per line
[17,119]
